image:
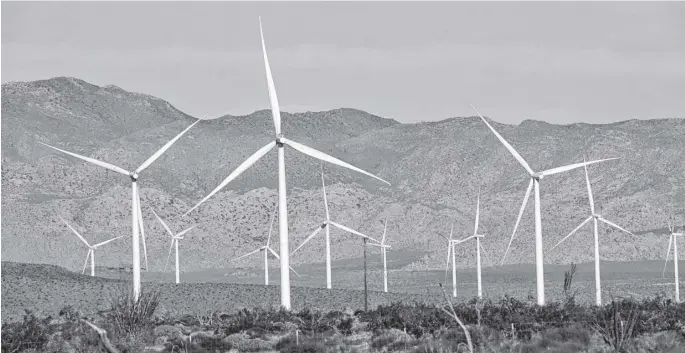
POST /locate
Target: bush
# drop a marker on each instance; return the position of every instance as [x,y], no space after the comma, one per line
[391,339]
[651,325]
[131,318]
[30,333]
[289,345]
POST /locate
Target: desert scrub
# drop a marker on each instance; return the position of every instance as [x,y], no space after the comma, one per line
[392,340]
[31,333]
[305,345]
[130,317]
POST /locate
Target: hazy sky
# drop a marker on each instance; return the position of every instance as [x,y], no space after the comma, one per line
[561,62]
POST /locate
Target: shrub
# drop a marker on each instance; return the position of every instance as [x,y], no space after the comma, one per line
[132,317]
[30,333]
[392,339]
[306,345]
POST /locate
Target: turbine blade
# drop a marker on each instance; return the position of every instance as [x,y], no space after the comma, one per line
[506,144]
[142,227]
[171,245]
[615,225]
[447,263]
[475,227]
[241,168]
[385,229]
[572,232]
[326,158]
[487,257]
[107,241]
[465,239]
[572,166]
[589,189]
[292,269]
[347,229]
[248,254]
[85,264]
[75,232]
[325,199]
[271,227]
[111,167]
[185,231]
[164,148]
[518,220]
[275,254]
[668,252]
[314,233]
[273,98]
[163,223]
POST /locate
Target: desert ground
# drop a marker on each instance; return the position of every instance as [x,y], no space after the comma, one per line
[47,289]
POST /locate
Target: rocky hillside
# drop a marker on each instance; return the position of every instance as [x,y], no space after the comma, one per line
[435,170]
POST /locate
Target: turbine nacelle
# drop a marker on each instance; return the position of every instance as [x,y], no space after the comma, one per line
[596,216]
[537,176]
[133,176]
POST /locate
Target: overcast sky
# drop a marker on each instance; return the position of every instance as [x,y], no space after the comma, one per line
[561,62]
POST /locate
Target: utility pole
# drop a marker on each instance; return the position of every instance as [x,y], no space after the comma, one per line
[366,294]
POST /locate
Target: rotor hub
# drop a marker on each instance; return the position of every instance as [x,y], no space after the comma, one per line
[595,216]
[279,143]
[536,176]
[133,175]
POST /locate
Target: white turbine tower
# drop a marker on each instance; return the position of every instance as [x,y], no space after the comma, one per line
[137,216]
[384,247]
[91,249]
[280,142]
[267,249]
[535,178]
[596,217]
[174,241]
[673,240]
[479,246]
[450,251]
[324,225]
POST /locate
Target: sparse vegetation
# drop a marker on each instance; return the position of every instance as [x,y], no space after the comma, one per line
[133,317]
[624,325]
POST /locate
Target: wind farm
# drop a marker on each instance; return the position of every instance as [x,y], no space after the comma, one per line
[404,192]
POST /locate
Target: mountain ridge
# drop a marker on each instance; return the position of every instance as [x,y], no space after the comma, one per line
[435,169]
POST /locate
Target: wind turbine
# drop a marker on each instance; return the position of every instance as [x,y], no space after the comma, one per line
[673,240]
[383,247]
[280,142]
[267,249]
[595,217]
[91,249]
[450,250]
[324,225]
[174,241]
[535,178]
[479,247]
[137,215]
